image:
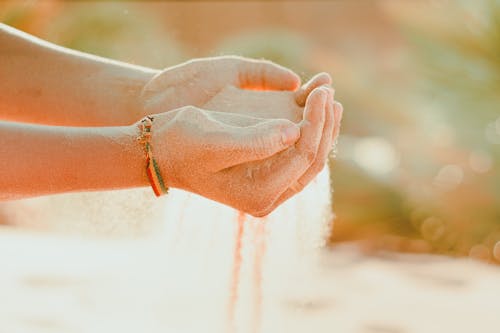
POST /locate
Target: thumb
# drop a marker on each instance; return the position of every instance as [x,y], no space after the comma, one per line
[266,75]
[261,141]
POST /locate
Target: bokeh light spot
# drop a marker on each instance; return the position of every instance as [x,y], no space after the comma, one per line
[376,155]
[496,251]
[492,132]
[480,161]
[449,177]
[480,252]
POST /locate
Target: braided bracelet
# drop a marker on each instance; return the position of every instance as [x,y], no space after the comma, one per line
[152,169]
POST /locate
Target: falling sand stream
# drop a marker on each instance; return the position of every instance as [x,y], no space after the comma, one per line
[217,269]
[250,264]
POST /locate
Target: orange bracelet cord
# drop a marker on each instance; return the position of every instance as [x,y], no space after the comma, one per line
[152,169]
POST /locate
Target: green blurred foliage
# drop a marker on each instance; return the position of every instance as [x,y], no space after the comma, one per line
[280,46]
[118,30]
[447,178]
[457,51]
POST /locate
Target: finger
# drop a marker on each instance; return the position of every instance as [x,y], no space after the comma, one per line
[321,158]
[339,111]
[313,123]
[257,142]
[325,144]
[304,91]
[266,75]
[281,170]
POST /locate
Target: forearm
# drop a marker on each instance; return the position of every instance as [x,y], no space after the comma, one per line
[47,84]
[38,160]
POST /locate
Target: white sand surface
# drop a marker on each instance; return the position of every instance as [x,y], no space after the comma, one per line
[56,284]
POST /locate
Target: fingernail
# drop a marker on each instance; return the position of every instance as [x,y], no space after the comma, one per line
[340,108]
[320,95]
[329,92]
[324,94]
[290,135]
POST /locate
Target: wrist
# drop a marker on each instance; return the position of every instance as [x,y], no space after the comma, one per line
[124,163]
[108,158]
[136,153]
[134,107]
[141,98]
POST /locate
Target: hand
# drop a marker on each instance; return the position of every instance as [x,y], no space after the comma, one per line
[287,105]
[195,82]
[266,104]
[319,130]
[245,162]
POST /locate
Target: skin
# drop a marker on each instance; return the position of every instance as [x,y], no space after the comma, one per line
[46,84]
[287,105]
[213,133]
[229,174]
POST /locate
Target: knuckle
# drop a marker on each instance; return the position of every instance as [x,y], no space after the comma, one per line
[310,156]
[191,64]
[264,146]
[298,187]
[258,214]
[260,207]
[267,62]
[263,212]
[318,166]
[325,75]
[230,58]
[182,114]
[229,61]
[188,111]
[301,186]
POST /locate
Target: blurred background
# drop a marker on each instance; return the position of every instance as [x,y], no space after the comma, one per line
[417,164]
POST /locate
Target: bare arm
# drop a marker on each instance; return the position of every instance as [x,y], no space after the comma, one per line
[47,84]
[37,160]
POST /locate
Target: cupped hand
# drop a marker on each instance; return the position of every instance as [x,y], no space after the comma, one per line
[286,105]
[266,104]
[195,82]
[245,162]
[298,165]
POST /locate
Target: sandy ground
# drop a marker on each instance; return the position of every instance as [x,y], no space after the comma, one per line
[204,267]
[60,284]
